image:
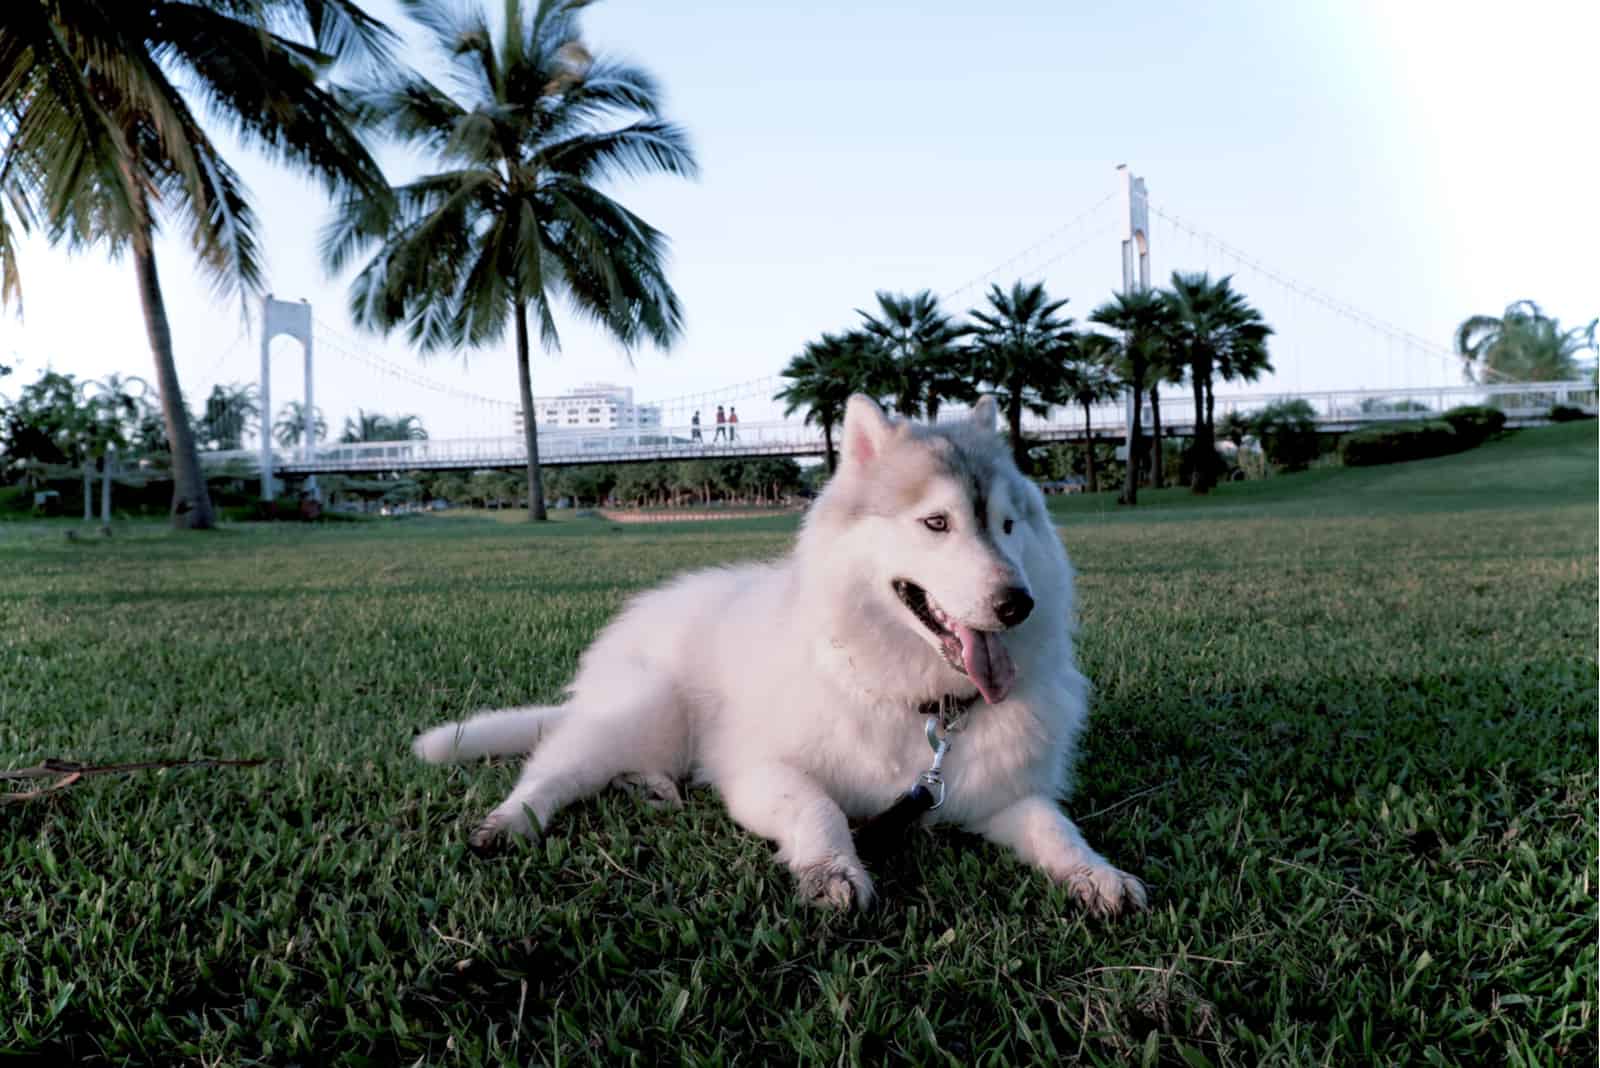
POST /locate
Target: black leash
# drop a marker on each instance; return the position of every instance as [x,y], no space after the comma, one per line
[887,829]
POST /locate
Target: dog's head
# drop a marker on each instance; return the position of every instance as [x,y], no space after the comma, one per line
[938,528]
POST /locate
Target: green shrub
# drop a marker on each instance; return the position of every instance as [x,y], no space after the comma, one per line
[1287,431]
[1474,424]
[1398,442]
[1566,413]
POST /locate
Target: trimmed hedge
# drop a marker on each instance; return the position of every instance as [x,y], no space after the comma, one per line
[1399,442]
[1474,424]
[1566,413]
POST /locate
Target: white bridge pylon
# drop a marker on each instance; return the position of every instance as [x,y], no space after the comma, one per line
[283,317]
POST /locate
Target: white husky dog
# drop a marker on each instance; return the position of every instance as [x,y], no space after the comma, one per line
[927,571]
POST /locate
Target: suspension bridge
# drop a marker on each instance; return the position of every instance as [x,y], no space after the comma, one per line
[1419,377]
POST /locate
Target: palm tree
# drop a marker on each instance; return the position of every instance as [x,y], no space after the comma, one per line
[290,429]
[375,426]
[1089,381]
[1215,331]
[1144,322]
[515,217]
[821,379]
[1522,345]
[228,413]
[920,344]
[100,145]
[1019,344]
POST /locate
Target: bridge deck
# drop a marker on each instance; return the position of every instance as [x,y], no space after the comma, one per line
[1335,412]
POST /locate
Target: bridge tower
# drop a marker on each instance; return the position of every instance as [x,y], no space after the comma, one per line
[1135,253]
[294,319]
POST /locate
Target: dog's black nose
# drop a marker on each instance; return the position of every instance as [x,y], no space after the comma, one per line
[1013,606]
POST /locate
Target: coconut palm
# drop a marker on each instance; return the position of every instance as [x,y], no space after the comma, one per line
[921,346]
[514,219]
[821,379]
[1216,332]
[229,412]
[1522,344]
[290,429]
[1019,343]
[1143,321]
[99,145]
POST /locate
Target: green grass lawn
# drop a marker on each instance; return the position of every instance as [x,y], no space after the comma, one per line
[1345,727]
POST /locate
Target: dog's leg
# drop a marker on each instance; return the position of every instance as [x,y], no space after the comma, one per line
[813,836]
[510,730]
[1041,834]
[590,747]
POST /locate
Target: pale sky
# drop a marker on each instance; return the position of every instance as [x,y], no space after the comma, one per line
[1420,161]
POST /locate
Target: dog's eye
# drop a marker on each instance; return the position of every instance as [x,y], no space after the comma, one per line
[1006,526]
[937,523]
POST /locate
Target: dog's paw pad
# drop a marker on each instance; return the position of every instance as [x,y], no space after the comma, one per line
[836,882]
[1106,891]
[486,839]
[490,836]
[657,791]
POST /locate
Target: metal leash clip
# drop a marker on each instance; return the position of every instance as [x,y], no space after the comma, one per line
[933,778]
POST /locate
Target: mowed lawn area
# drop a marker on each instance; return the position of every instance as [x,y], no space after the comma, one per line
[1345,727]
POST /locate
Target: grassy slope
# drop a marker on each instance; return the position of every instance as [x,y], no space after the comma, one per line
[1345,726]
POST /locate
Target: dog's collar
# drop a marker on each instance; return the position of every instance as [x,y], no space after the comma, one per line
[950,710]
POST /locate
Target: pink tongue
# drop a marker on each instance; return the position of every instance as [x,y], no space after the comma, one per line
[988,664]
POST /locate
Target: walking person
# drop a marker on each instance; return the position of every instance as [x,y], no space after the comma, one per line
[733,423]
[722,425]
[694,428]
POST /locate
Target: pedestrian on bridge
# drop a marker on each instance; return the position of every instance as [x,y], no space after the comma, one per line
[694,427]
[733,423]
[722,425]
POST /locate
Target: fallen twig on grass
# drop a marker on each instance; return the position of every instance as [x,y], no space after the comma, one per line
[69,772]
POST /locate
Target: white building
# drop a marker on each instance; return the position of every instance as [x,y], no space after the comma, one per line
[592,406]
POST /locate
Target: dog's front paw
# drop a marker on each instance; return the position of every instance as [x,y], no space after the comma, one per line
[487,837]
[836,882]
[1106,891]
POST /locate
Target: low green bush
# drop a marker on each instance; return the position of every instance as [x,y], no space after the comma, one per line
[1474,424]
[1287,431]
[1566,413]
[1399,442]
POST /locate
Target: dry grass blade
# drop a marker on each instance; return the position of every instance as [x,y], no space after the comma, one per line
[70,773]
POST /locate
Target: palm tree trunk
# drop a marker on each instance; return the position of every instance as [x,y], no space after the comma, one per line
[1197,464]
[1207,440]
[530,426]
[1130,485]
[1088,446]
[105,492]
[191,504]
[1014,422]
[827,444]
[1155,449]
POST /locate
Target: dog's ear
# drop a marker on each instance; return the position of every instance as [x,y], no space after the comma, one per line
[866,430]
[986,414]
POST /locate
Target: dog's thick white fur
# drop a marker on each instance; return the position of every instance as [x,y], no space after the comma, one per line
[792,687]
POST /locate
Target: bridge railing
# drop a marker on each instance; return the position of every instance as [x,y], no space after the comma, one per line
[1520,400]
[1334,409]
[556,447]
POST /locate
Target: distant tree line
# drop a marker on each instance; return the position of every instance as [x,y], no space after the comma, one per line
[913,357]
[60,421]
[756,481]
